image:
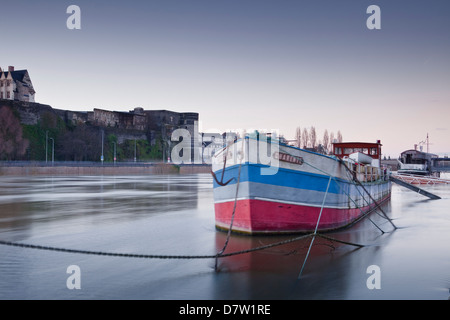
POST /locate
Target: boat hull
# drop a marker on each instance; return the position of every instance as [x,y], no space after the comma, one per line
[292,199]
[266,217]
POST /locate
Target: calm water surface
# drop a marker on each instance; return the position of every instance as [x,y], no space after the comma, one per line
[174,215]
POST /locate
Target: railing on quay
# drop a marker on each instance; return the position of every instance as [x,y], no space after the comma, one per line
[90,164]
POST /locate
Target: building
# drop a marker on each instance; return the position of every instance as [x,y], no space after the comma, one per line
[16,85]
[414,161]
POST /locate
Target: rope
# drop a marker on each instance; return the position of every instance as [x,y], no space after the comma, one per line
[377,205]
[351,177]
[368,193]
[220,253]
[315,230]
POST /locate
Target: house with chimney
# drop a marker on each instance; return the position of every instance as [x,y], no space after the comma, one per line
[16,85]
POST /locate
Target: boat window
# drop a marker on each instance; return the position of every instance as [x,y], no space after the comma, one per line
[365,150]
[373,151]
[338,151]
[348,150]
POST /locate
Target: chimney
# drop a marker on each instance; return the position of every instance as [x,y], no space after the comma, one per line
[11,68]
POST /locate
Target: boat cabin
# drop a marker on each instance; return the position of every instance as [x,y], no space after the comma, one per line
[414,156]
[365,159]
[415,162]
[344,149]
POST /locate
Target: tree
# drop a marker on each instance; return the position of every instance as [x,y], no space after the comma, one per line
[326,141]
[48,126]
[305,138]
[85,144]
[331,139]
[12,144]
[339,136]
[298,137]
[313,137]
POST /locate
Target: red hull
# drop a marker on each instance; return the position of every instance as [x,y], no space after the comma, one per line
[257,216]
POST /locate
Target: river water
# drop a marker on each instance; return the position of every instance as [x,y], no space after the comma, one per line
[174,215]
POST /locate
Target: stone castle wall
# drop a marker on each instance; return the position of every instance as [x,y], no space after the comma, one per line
[138,120]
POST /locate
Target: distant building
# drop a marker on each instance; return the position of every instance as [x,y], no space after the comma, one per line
[16,85]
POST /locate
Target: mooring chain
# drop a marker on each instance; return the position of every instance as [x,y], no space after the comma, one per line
[153,256]
[157,256]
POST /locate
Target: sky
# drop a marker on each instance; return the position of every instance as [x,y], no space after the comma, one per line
[247,64]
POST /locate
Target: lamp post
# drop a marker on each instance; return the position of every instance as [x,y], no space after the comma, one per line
[53,150]
[102,157]
[134,149]
[114,153]
[46,146]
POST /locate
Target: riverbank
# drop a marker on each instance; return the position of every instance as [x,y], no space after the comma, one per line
[92,168]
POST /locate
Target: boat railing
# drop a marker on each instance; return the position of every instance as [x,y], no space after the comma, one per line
[420,179]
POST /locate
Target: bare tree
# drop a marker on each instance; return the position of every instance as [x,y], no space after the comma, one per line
[326,141]
[85,144]
[12,144]
[298,137]
[313,137]
[331,142]
[305,138]
[339,136]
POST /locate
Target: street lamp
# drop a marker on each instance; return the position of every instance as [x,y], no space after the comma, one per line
[53,150]
[102,158]
[114,153]
[46,146]
[134,149]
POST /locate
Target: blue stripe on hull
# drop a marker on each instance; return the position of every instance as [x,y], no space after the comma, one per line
[296,186]
[284,177]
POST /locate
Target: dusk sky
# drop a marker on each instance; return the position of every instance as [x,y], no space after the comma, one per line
[246,64]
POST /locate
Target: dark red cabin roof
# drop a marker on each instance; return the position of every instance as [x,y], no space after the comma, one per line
[344,149]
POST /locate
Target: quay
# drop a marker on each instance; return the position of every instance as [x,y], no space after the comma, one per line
[63,168]
[409,186]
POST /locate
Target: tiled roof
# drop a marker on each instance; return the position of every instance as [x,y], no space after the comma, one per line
[16,75]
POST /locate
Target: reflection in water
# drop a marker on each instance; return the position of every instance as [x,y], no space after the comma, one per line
[174,214]
[328,270]
[24,204]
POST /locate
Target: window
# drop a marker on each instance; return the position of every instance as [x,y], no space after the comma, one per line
[348,150]
[373,151]
[8,83]
[7,95]
[1,83]
[1,95]
[338,151]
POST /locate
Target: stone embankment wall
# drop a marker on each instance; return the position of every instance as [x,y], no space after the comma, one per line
[61,170]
